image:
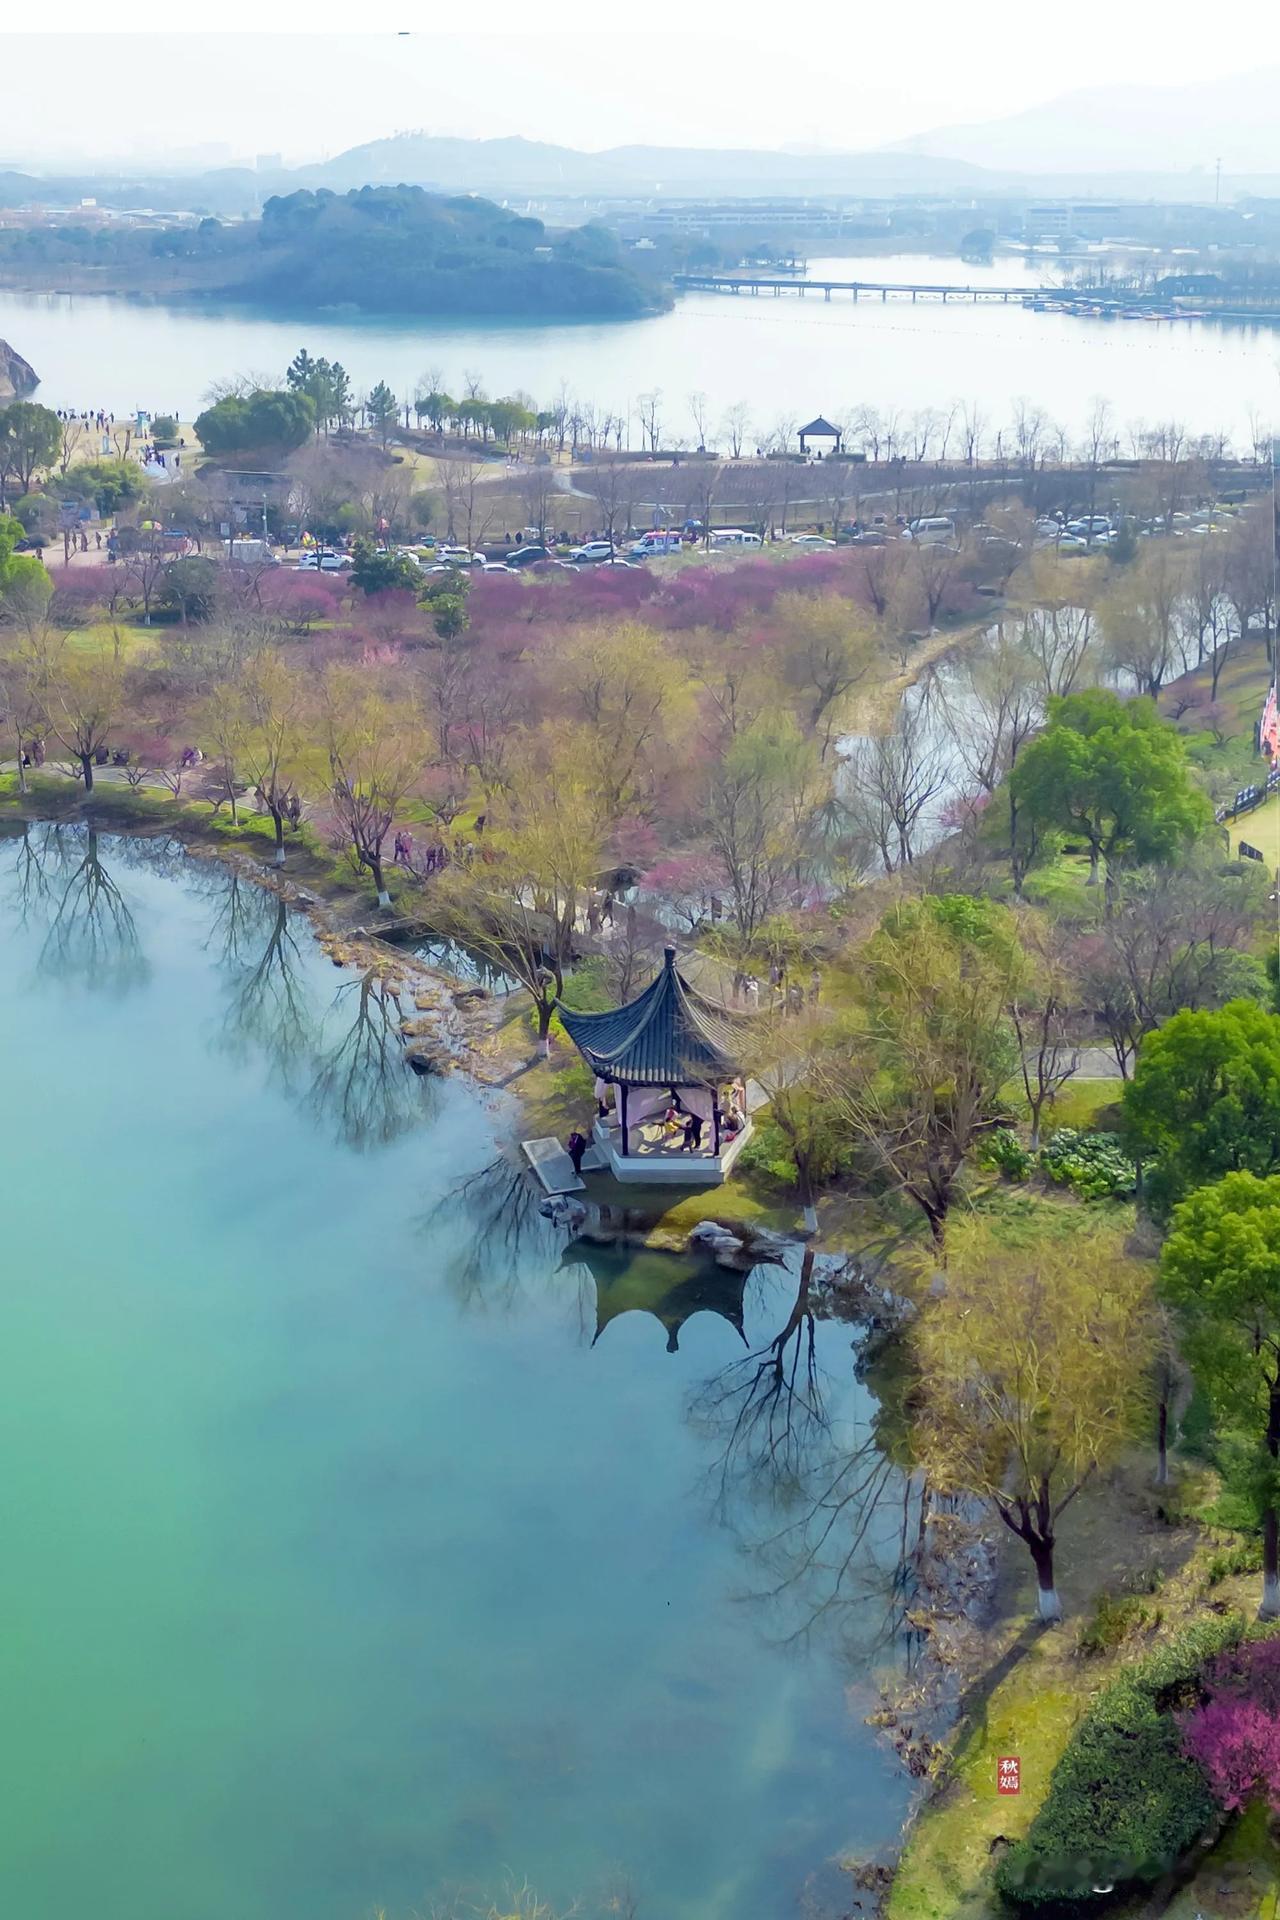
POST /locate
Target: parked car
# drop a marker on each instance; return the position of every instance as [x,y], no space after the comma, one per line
[933,530]
[873,537]
[529,556]
[657,540]
[734,537]
[592,553]
[817,541]
[324,563]
[459,557]
[490,566]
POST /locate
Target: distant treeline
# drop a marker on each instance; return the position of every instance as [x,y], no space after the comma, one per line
[381,249]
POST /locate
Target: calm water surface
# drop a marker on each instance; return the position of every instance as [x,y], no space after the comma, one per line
[342,1561]
[786,357]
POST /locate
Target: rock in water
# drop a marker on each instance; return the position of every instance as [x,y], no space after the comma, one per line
[16,377]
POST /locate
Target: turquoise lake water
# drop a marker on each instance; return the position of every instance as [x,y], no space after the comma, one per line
[341,1568]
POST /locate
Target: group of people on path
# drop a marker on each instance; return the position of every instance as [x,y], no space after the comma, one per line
[787,997]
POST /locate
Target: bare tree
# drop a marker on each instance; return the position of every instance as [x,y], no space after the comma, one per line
[735,427]
[649,409]
[1039,1010]
[537,491]
[610,483]
[892,778]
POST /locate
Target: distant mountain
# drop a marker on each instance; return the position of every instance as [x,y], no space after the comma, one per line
[517,166]
[1122,142]
[1099,130]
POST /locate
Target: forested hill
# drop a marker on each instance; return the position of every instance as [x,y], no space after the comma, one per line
[381,249]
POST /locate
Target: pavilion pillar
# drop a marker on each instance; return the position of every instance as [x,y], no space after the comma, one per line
[715,1128]
[626,1146]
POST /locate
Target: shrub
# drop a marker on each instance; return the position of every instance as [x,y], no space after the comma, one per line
[575,1085]
[1244,1557]
[1094,1165]
[1115,1617]
[768,1152]
[1003,1151]
[1126,1800]
[586,989]
[1235,1736]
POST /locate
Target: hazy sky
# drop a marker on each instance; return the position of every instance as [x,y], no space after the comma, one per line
[725,72]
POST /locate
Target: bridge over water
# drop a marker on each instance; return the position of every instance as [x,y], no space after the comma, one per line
[869,289]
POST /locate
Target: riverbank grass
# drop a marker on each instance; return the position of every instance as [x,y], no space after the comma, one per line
[1037,1683]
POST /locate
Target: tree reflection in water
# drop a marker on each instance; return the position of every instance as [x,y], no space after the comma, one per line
[92,937]
[34,871]
[511,1248]
[269,1003]
[364,1083]
[828,1515]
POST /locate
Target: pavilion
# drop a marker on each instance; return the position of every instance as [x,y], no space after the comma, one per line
[820,429]
[670,1041]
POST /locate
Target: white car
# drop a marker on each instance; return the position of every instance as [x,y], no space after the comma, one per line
[817,541]
[324,563]
[490,566]
[592,553]
[458,557]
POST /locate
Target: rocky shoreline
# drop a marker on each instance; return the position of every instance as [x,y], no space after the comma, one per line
[17,376]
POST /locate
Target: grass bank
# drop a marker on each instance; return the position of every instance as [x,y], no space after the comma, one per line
[1137,1565]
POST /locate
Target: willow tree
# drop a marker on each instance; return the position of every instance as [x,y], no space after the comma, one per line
[931,1050]
[376,755]
[260,724]
[1034,1370]
[828,649]
[765,795]
[84,696]
[624,687]
[519,906]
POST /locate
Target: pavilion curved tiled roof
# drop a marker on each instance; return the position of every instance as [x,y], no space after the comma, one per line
[669,1036]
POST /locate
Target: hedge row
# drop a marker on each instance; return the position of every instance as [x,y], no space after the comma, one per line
[1125,1802]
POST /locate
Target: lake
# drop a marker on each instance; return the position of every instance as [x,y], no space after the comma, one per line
[365,1538]
[788,358]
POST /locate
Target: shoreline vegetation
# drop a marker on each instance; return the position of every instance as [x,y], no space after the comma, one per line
[425,254]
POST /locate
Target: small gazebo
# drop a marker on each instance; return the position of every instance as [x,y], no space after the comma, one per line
[820,429]
[670,1043]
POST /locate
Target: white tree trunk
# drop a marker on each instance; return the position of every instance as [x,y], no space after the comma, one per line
[1270,1608]
[279,856]
[1050,1605]
[384,898]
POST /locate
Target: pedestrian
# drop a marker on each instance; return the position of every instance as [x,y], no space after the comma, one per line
[577,1145]
[752,991]
[815,987]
